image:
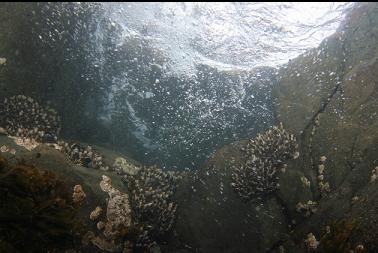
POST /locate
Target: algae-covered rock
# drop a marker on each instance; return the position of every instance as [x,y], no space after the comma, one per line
[37,204]
[36,210]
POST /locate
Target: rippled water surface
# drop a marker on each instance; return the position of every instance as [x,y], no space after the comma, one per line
[229,35]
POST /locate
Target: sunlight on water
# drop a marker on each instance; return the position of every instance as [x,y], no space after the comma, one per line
[229,35]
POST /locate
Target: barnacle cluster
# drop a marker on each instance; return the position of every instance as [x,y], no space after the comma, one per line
[311,242]
[264,156]
[374,175]
[78,195]
[6,149]
[305,182]
[118,210]
[151,192]
[118,221]
[307,209]
[24,117]
[82,155]
[95,214]
[122,167]
[3,61]
[3,131]
[323,186]
[359,249]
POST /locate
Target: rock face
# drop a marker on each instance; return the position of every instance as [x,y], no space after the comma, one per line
[327,98]
[45,186]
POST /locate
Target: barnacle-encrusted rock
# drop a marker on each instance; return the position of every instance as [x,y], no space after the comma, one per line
[328,229]
[355,199]
[106,245]
[95,213]
[3,131]
[3,61]
[78,195]
[4,149]
[311,242]
[82,155]
[324,187]
[24,117]
[101,243]
[122,166]
[374,175]
[307,209]
[151,195]
[27,143]
[100,225]
[264,156]
[359,248]
[305,182]
[118,213]
[118,220]
[322,159]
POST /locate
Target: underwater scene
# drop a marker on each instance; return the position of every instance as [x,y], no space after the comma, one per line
[189,127]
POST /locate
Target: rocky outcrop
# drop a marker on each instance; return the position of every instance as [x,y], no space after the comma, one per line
[44,187]
[327,98]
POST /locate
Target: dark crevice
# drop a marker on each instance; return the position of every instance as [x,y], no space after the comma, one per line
[323,107]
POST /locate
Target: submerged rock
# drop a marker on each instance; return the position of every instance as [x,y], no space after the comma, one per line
[36,210]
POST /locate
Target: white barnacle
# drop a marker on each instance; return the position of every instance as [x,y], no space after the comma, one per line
[323,158]
[311,242]
[373,178]
[296,155]
[305,182]
[320,169]
[320,177]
